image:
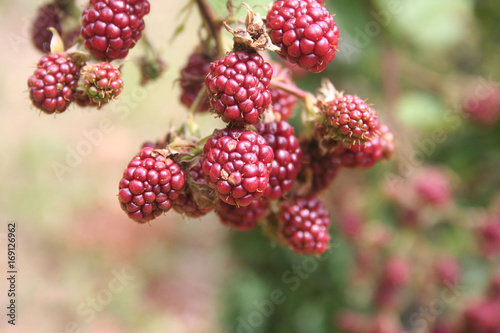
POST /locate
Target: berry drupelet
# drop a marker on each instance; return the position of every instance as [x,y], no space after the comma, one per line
[238,87]
[149,185]
[237,164]
[305,32]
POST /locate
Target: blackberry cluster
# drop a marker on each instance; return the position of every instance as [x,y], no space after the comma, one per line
[255,170]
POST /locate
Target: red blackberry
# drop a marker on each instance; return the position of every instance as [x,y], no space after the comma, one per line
[282,102]
[243,218]
[320,167]
[361,155]
[305,31]
[189,203]
[433,186]
[350,120]
[102,82]
[238,87]
[304,225]
[53,83]
[149,185]
[482,317]
[112,27]
[448,270]
[287,163]
[48,16]
[396,273]
[489,237]
[483,105]
[386,141]
[192,78]
[237,164]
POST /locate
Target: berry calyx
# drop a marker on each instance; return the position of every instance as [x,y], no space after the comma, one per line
[238,87]
[149,185]
[237,164]
[282,102]
[243,218]
[101,82]
[52,84]
[305,32]
[304,225]
[287,163]
[111,28]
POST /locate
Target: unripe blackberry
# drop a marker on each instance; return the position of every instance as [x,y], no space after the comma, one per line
[305,32]
[112,27]
[238,87]
[192,79]
[243,218]
[47,17]
[237,164]
[361,155]
[53,83]
[320,167]
[304,225]
[282,102]
[287,163]
[102,82]
[149,185]
[348,119]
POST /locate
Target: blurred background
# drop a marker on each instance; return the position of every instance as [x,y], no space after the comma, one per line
[415,240]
